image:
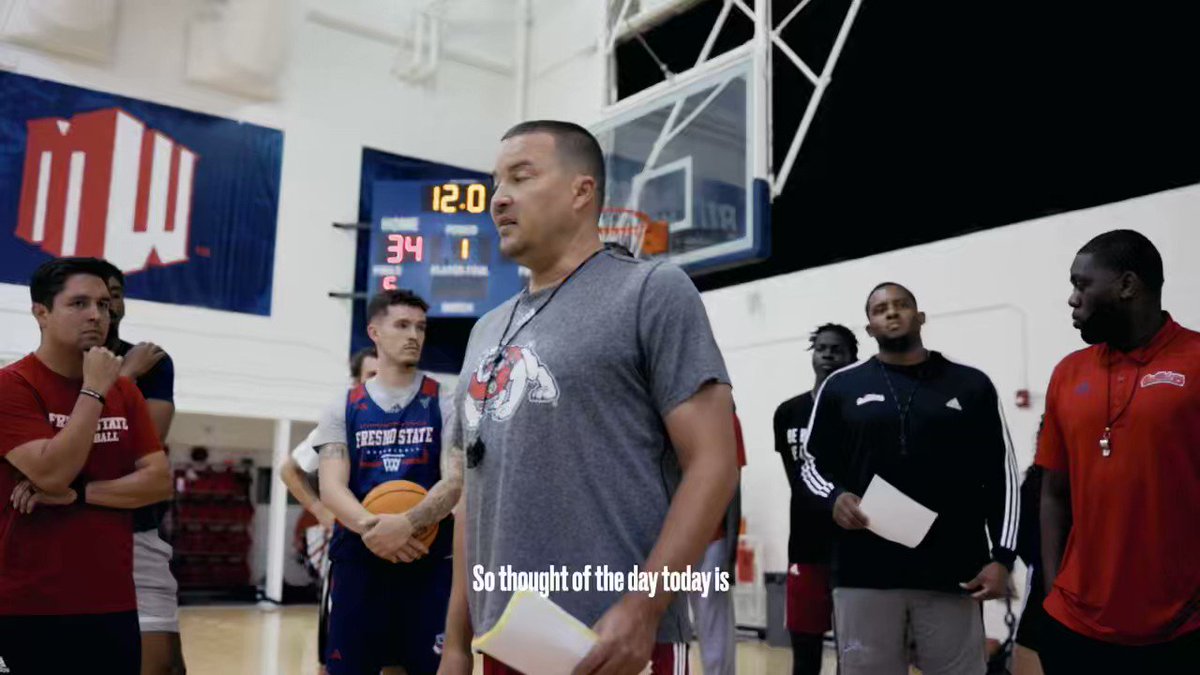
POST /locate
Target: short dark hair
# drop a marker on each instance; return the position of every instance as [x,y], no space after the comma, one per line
[839,330]
[1128,251]
[384,299]
[574,143]
[356,361]
[51,276]
[111,271]
[886,284]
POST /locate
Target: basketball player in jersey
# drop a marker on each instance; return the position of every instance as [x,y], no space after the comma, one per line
[809,596]
[388,590]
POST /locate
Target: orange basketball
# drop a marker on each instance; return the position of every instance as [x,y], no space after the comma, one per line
[398,496]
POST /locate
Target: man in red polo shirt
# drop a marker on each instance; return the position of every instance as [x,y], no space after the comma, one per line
[80,452]
[1121,492]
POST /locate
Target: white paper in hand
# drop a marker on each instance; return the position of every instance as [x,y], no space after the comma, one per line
[536,636]
[894,515]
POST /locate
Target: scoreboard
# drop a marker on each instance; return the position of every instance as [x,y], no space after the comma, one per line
[436,238]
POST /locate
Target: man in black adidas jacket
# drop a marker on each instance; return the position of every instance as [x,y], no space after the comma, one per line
[934,430]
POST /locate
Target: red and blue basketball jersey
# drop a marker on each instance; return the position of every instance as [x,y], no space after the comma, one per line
[387,445]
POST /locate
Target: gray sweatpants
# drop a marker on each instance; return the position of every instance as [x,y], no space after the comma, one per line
[714,617]
[873,628]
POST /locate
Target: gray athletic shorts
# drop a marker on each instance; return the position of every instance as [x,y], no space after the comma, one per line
[157,592]
[874,629]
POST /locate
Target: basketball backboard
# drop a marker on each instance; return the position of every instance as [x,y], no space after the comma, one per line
[683,156]
[674,146]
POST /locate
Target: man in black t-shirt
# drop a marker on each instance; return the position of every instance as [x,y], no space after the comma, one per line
[810,603]
[157,592]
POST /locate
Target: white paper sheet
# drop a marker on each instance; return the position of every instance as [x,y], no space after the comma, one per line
[894,515]
[536,637]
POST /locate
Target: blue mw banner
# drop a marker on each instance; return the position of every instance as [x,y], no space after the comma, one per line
[184,203]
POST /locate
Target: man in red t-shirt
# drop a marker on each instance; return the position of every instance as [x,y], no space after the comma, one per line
[80,452]
[1121,491]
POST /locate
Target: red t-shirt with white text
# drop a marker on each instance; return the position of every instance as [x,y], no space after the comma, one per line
[78,559]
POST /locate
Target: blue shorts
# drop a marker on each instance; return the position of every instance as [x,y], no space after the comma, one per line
[388,614]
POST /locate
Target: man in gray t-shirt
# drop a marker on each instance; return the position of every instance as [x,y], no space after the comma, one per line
[596,413]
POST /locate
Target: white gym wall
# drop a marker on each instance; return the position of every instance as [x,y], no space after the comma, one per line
[565,71]
[990,298]
[333,95]
[336,96]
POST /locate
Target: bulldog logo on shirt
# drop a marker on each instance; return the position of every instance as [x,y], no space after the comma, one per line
[506,379]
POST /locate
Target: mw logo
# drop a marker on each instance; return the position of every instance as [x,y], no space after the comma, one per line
[104,184]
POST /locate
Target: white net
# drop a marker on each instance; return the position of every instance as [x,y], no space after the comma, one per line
[625,228]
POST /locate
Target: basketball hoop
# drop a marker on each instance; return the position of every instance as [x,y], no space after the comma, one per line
[635,231]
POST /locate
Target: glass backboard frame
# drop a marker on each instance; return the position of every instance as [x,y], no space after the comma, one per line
[754,242]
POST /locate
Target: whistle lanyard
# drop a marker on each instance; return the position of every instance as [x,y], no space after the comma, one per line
[476,450]
[903,407]
[1109,420]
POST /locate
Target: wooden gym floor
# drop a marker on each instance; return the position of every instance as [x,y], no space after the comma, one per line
[246,640]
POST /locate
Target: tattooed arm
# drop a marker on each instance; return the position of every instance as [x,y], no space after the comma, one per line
[443,495]
[334,475]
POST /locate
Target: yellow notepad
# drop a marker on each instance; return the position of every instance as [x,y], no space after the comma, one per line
[536,636]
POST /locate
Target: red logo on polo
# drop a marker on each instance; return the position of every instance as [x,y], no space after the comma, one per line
[104,184]
[1164,377]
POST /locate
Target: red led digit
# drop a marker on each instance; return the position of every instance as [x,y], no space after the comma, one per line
[415,246]
[396,247]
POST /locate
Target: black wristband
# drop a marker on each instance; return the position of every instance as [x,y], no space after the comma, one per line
[79,485]
[94,394]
